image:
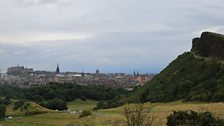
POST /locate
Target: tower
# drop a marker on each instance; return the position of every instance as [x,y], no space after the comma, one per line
[57,69]
[134,73]
[97,71]
[1,74]
[138,73]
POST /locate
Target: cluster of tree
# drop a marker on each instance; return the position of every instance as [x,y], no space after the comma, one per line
[57,104]
[2,111]
[3,103]
[55,96]
[192,118]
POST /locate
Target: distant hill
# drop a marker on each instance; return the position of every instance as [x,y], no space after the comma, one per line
[197,75]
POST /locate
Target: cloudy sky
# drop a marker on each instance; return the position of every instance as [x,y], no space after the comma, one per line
[112,35]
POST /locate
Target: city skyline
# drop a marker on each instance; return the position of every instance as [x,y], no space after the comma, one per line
[114,36]
[58,70]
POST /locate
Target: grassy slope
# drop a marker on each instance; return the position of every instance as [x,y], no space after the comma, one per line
[104,117]
[188,77]
[33,107]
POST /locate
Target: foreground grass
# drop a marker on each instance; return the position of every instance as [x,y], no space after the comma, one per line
[105,117]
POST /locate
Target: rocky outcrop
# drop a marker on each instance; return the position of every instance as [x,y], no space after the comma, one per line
[209,45]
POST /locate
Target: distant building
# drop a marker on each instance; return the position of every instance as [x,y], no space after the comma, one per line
[57,69]
[136,73]
[97,71]
[19,70]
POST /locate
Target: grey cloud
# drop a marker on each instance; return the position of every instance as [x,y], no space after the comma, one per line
[30,3]
[127,34]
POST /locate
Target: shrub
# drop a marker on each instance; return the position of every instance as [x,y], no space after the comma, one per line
[18,104]
[5,101]
[85,113]
[192,118]
[137,117]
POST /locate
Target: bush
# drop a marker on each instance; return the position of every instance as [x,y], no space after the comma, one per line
[18,104]
[57,104]
[2,111]
[136,116]
[5,101]
[85,113]
[191,118]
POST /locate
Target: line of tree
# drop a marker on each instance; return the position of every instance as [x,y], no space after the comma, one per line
[62,93]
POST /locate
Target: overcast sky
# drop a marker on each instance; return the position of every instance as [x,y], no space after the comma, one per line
[112,35]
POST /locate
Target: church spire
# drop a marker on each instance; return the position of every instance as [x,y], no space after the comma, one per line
[57,69]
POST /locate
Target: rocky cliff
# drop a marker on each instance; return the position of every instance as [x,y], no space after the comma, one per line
[209,45]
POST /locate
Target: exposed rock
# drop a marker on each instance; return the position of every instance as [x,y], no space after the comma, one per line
[209,45]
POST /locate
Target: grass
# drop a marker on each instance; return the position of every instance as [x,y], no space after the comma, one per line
[106,116]
[82,105]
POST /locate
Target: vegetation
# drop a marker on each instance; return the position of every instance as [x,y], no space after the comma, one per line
[57,104]
[193,76]
[192,118]
[65,92]
[5,101]
[85,113]
[2,111]
[187,78]
[137,117]
[106,117]
[18,104]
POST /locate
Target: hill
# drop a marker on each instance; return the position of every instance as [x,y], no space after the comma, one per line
[22,108]
[193,76]
[197,75]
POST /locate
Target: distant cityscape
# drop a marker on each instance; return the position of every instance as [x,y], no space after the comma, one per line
[27,77]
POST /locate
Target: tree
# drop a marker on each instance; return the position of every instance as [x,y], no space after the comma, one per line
[136,116]
[2,111]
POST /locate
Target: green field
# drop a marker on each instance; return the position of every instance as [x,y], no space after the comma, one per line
[105,117]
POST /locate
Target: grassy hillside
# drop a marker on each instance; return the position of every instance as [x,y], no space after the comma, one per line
[106,116]
[189,78]
[27,108]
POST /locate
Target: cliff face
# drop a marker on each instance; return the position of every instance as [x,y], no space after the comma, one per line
[209,45]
